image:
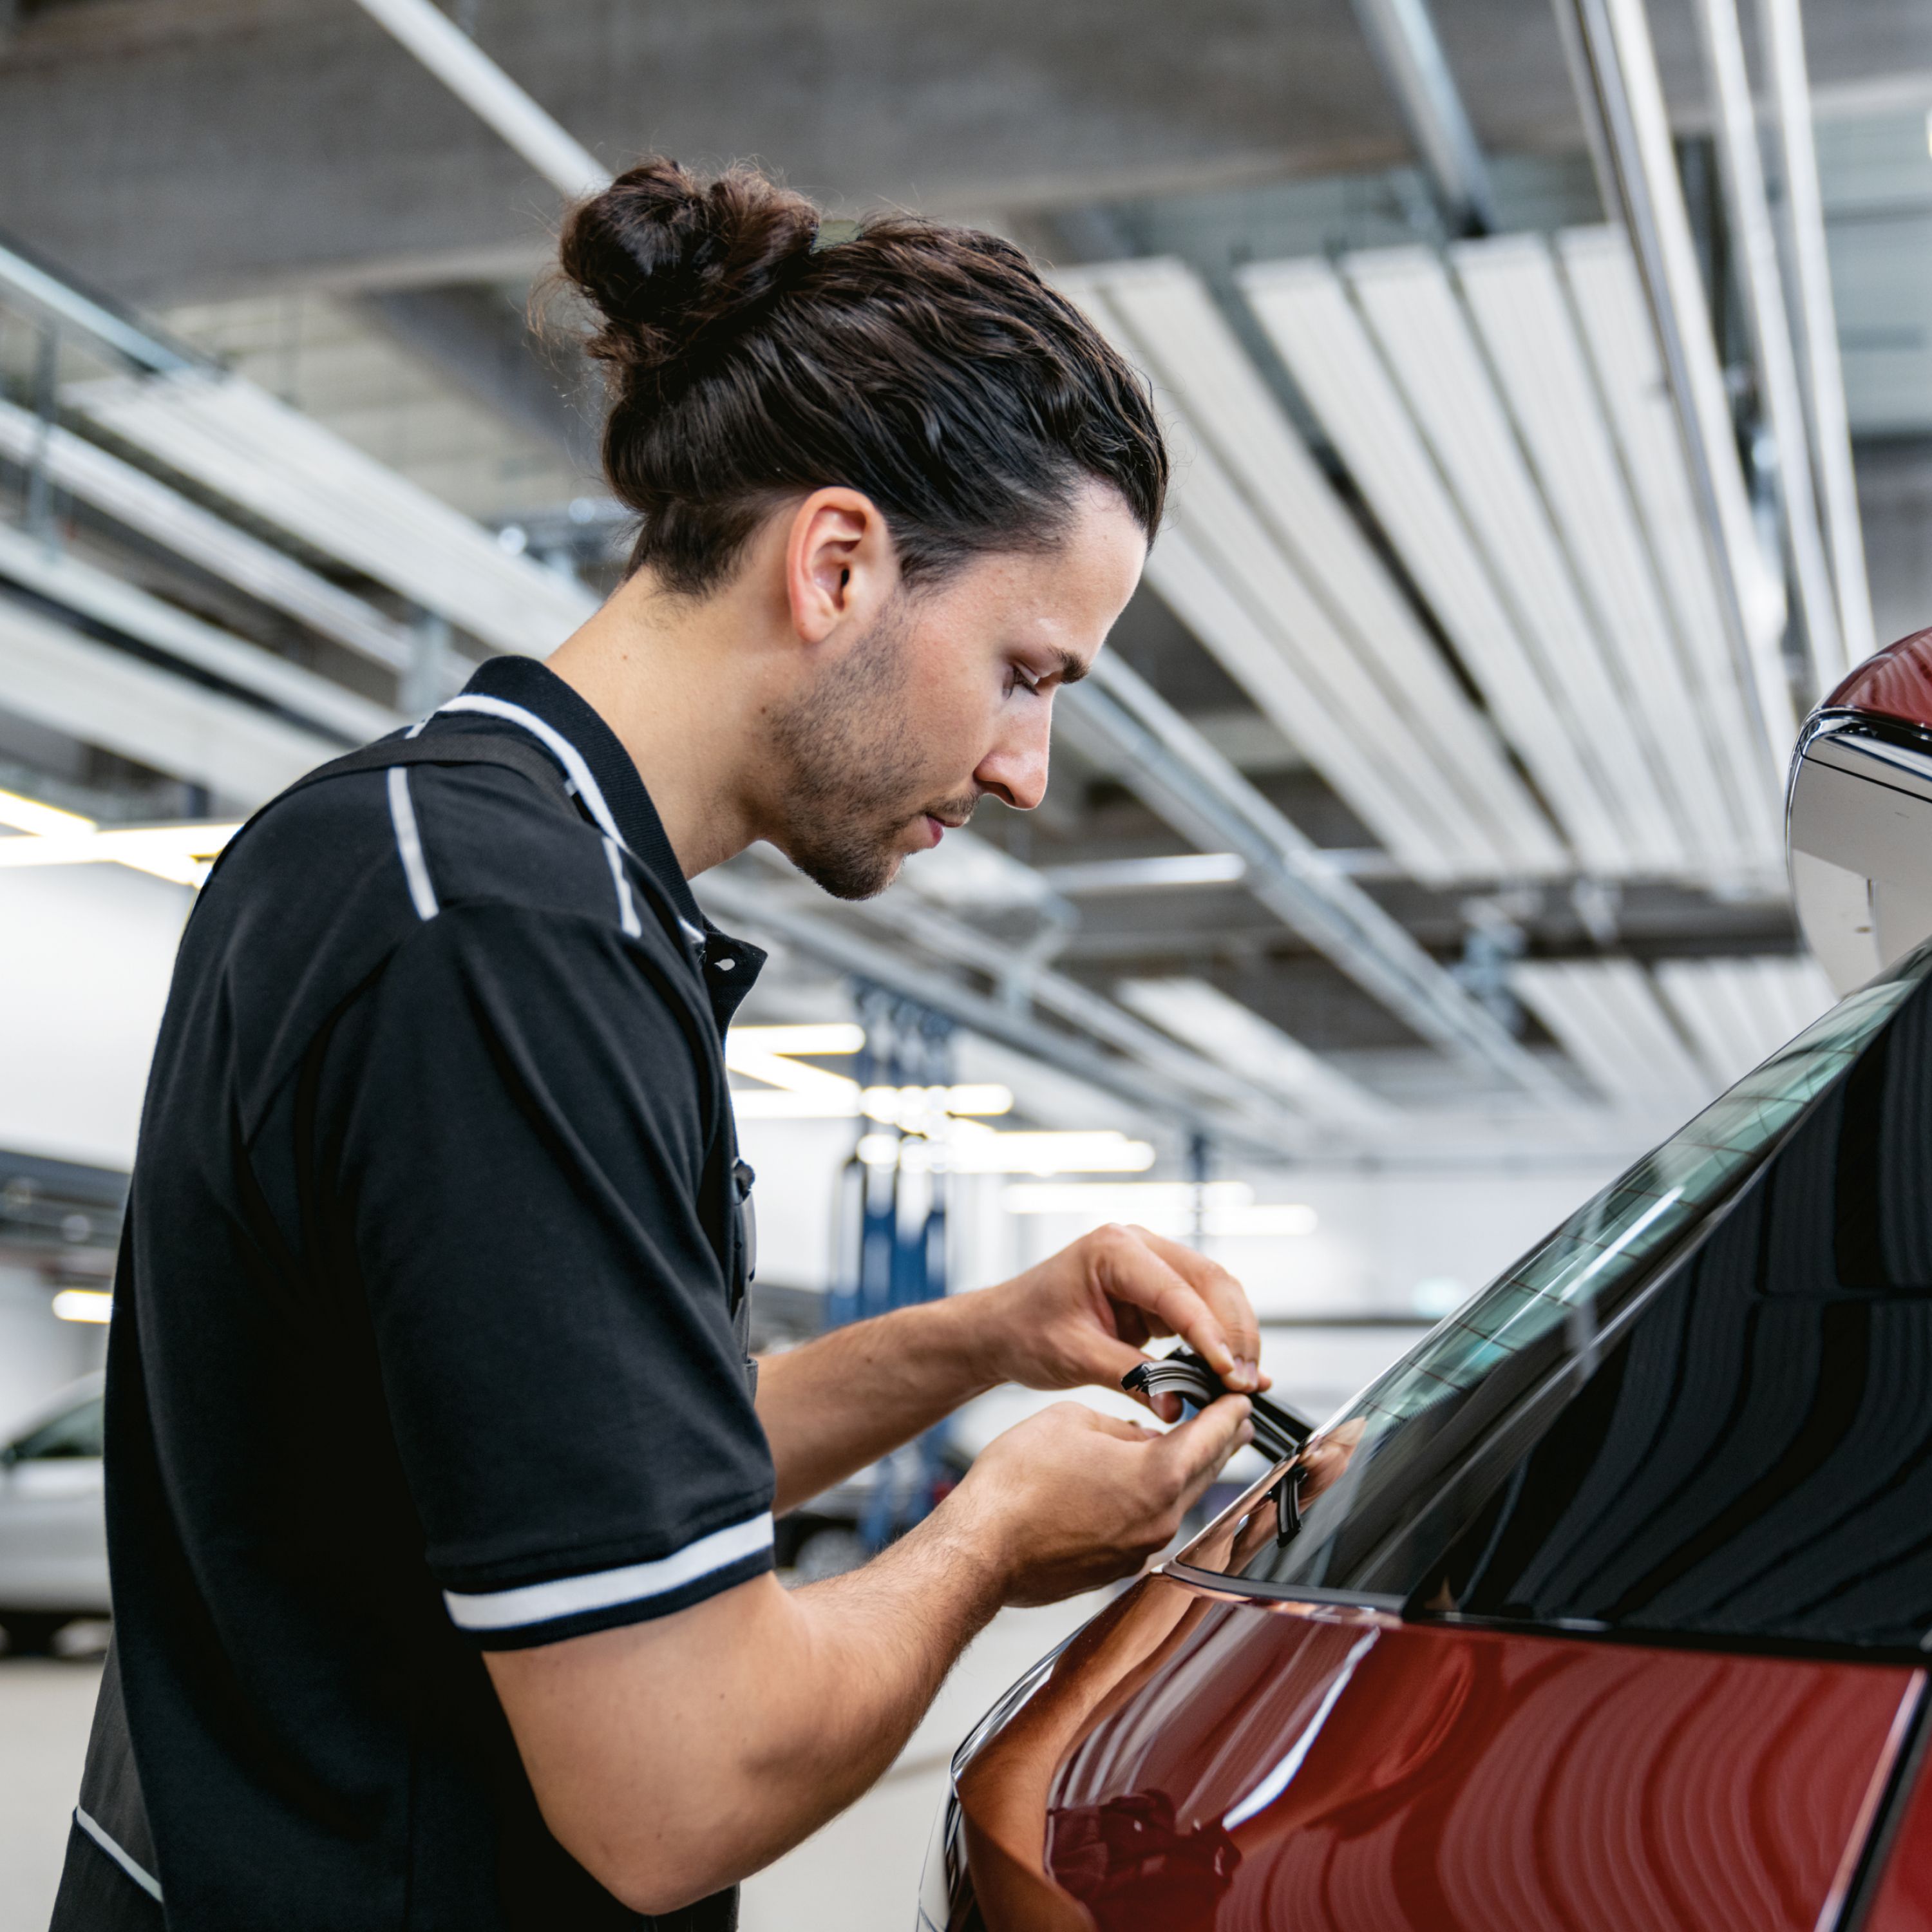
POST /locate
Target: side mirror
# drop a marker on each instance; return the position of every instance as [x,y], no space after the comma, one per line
[1859,816]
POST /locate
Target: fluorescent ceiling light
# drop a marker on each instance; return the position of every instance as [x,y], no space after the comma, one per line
[29,815]
[287,469]
[1227,1209]
[1205,799]
[912,1106]
[794,1091]
[965,870]
[1306,313]
[919,1108]
[1134,875]
[1737,1012]
[1146,1070]
[143,503]
[63,579]
[1517,300]
[104,697]
[1121,1200]
[1608,302]
[1405,295]
[1206,1019]
[1241,615]
[180,853]
[971,1149]
[1606,1016]
[1388,685]
[83,1304]
[828,1038]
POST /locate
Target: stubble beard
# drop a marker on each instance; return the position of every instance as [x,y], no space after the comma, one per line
[852,770]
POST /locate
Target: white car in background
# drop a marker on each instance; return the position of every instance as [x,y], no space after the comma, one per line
[53,1530]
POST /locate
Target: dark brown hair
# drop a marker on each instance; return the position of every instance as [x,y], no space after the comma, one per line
[927,366]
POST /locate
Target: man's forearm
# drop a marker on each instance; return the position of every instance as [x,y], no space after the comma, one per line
[673,1757]
[839,1403]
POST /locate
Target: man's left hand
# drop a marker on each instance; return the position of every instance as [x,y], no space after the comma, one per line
[1081,1317]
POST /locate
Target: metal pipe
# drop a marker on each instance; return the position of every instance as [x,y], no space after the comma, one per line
[1782,30]
[482,86]
[1742,167]
[60,302]
[743,904]
[1205,799]
[1618,86]
[1403,38]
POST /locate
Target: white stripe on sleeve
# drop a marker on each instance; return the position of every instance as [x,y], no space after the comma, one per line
[409,843]
[627,911]
[605,1589]
[142,1877]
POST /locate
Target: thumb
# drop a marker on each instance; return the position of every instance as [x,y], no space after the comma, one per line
[1199,1446]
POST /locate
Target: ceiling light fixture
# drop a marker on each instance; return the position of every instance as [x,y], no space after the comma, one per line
[65,579]
[971,1149]
[1201,1016]
[233,436]
[1260,561]
[1308,316]
[1424,334]
[144,504]
[83,1304]
[180,853]
[1518,301]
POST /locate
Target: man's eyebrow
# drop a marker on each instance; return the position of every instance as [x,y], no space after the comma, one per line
[1068,668]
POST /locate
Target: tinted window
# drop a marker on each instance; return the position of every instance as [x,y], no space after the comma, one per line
[75,1432]
[1714,1381]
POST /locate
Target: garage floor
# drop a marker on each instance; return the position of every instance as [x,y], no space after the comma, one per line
[860,1874]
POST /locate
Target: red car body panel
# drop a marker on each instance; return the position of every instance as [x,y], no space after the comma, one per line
[1902,1901]
[1271,1768]
[1896,684]
[1673,1469]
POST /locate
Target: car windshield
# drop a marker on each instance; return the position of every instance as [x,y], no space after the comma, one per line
[1427,1445]
[75,1432]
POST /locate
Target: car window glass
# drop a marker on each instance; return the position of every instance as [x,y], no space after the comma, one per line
[75,1432]
[1414,1459]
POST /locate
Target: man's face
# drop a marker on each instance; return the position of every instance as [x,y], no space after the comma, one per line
[949,696]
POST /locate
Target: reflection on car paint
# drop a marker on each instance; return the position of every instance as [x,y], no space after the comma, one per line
[1211,1762]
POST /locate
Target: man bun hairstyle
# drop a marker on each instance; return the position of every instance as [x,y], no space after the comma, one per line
[748,359]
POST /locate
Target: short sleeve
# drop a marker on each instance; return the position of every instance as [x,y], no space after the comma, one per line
[520,1157]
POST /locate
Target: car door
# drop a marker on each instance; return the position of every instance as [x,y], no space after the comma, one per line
[53,1540]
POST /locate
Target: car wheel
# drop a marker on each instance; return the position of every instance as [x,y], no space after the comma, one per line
[31,1633]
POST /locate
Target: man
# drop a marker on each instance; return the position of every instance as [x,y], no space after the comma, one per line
[440,1491]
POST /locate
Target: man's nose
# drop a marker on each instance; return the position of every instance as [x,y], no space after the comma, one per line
[1015,769]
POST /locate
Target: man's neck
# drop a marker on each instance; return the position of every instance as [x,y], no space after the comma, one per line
[675,693]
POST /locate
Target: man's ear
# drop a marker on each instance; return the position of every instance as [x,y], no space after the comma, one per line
[840,564]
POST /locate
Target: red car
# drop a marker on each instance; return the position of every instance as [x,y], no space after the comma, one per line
[1607,1608]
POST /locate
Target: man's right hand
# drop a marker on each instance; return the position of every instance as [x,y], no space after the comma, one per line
[672,1756]
[1070,1499]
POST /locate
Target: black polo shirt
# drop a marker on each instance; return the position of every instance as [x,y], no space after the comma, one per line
[422,1343]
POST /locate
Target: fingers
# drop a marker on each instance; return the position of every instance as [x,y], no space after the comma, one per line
[1116,1426]
[1227,1303]
[1132,1270]
[1198,1449]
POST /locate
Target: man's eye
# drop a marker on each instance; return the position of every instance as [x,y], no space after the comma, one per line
[1026,679]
